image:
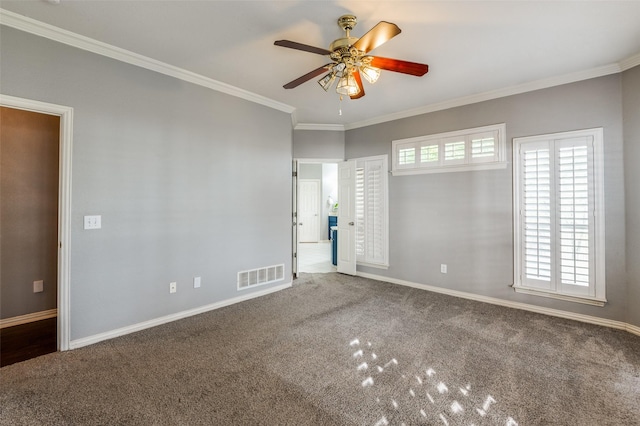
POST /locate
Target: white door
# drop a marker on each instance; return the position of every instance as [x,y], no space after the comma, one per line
[309,210]
[346,218]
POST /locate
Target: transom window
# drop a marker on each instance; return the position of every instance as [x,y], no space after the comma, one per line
[471,149]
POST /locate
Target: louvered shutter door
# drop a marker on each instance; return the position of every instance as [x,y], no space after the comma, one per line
[536,214]
[371,211]
[360,217]
[374,212]
[574,194]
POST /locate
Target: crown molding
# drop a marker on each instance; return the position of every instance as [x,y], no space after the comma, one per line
[494,94]
[630,62]
[32,26]
[311,126]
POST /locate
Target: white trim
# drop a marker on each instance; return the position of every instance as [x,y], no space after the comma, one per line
[633,329]
[64,205]
[494,94]
[373,265]
[619,325]
[27,318]
[319,160]
[90,340]
[311,126]
[60,35]
[630,62]
[447,169]
[566,297]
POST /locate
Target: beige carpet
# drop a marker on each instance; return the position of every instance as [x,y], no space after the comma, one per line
[339,350]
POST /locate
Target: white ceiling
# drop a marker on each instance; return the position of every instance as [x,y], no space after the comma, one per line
[472,47]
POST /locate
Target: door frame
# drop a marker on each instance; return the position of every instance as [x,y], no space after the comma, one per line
[64,205]
[295,234]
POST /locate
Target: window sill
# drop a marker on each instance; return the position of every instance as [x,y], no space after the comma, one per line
[447,169]
[593,301]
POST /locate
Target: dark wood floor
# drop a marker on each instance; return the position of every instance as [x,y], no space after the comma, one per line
[26,341]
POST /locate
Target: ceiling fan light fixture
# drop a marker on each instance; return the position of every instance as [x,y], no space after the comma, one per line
[370,73]
[347,85]
[327,81]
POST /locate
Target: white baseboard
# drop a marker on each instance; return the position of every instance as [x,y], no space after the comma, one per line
[509,304]
[633,329]
[85,341]
[27,318]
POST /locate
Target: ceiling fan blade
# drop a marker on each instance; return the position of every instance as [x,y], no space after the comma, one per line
[303,47]
[381,33]
[405,67]
[358,78]
[308,76]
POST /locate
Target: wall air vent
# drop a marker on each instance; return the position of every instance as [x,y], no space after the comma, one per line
[260,276]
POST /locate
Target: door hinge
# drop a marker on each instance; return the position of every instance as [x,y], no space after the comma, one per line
[295,174]
[295,255]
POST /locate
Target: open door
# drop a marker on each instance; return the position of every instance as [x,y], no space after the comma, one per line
[346,218]
[294,217]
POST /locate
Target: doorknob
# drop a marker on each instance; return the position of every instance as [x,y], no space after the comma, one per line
[300,224]
[351,223]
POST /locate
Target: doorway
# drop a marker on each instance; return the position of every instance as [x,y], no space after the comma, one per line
[36,188]
[317,205]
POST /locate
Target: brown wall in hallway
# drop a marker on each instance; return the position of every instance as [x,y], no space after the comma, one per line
[29,152]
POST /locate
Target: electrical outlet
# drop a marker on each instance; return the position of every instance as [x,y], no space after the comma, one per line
[196,282]
[443,268]
[38,286]
[173,287]
[93,222]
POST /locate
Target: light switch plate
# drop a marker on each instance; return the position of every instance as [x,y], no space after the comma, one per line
[38,286]
[196,282]
[93,222]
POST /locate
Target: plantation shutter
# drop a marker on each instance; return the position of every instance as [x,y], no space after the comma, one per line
[574,165]
[371,210]
[360,214]
[557,207]
[536,211]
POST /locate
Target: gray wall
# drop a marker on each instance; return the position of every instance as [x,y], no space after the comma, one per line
[29,145]
[176,174]
[318,144]
[465,219]
[631,110]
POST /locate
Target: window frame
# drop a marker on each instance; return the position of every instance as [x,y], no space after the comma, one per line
[596,294]
[441,140]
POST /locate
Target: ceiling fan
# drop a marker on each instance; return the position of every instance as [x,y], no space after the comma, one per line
[351,61]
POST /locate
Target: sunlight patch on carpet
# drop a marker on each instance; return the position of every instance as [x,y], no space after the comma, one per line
[425,395]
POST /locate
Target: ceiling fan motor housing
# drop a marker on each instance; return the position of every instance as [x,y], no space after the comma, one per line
[347,22]
[341,48]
